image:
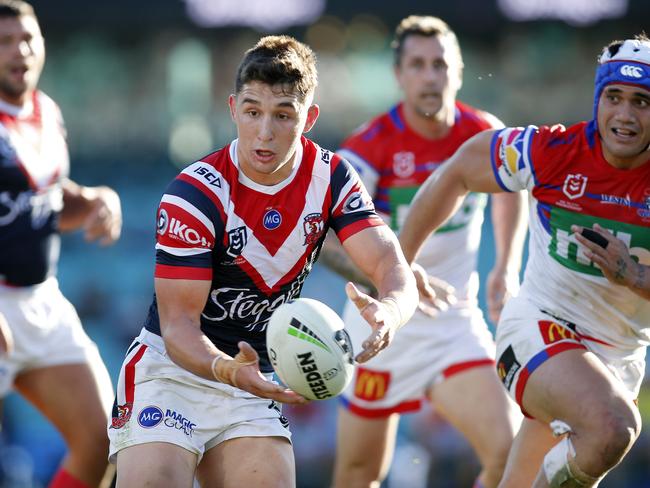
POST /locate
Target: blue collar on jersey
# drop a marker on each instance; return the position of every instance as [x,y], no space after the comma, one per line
[624,72]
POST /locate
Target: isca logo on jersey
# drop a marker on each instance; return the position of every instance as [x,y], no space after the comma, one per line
[631,71]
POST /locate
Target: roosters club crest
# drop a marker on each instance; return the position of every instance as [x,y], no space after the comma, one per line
[574,186]
[313,226]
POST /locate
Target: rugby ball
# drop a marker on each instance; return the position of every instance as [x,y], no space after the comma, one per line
[309,349]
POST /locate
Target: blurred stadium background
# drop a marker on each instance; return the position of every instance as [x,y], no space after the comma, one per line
[143,88]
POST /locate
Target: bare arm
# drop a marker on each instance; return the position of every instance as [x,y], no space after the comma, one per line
[95,209]
[615,262]
[180,303]
[334,256]
[510,224]
[375,251]
[438,198]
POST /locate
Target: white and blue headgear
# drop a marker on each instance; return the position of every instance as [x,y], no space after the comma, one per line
[630,65]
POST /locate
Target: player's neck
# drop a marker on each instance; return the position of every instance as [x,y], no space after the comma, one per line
[626,163]
[17,101]
[435,126]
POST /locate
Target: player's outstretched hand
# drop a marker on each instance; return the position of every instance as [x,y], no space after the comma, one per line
[244,373]
[105,220]
[609,253]
[383,318]
[436,295]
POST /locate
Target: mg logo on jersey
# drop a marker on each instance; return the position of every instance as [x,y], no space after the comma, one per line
[313,226]
[150,417]
[237,239]
[631,71]
[574,186]
[272,219]
[553,332]
[371,385]
[403,164]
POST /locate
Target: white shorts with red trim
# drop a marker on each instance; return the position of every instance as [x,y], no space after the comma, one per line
[46,331]
[424,352]
[158,401]
[527,337]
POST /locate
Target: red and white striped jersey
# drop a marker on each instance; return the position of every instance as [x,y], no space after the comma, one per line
[256,243]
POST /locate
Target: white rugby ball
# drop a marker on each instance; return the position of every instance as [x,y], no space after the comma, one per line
[309,349]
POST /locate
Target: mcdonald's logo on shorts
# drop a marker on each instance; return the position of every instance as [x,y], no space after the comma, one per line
[371,385]
[554,332]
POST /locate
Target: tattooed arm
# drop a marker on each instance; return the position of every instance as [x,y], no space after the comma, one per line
[613,258]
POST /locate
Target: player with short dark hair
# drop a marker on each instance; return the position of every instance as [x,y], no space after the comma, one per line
[238,233]
[571,346]
[53,363]
[448,359]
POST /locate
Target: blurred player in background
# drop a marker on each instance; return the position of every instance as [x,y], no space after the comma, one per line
[53,364]
[238,233]
[571,347]
[449,359]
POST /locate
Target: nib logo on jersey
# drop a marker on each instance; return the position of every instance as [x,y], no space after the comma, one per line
[152,416]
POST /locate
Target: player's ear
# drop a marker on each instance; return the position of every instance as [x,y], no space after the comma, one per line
[312,114]
[232,104]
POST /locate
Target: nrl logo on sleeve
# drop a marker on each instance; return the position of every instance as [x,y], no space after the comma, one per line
[313,226]
[574,186]
[237,239]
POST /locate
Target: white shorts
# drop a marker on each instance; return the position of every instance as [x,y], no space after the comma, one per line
[46,331]
[158,401]
[424,352]
[527,337]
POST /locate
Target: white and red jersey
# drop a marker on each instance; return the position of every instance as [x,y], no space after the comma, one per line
[33,160]
[393,161]
[570,182]
[256,243]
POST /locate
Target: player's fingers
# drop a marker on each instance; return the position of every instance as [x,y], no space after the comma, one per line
[246,354]
[360,299]
[373,344]
[267,389]
[592,248]
[605,233]
[428,309]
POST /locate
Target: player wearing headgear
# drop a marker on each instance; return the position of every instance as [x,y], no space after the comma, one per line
[238,233]
[571,347]
[448,359]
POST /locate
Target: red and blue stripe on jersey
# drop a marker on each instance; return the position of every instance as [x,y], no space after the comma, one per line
[568,170]
[256,244]
[400,157]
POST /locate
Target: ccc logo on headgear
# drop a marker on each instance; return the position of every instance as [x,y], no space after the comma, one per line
[631,71]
